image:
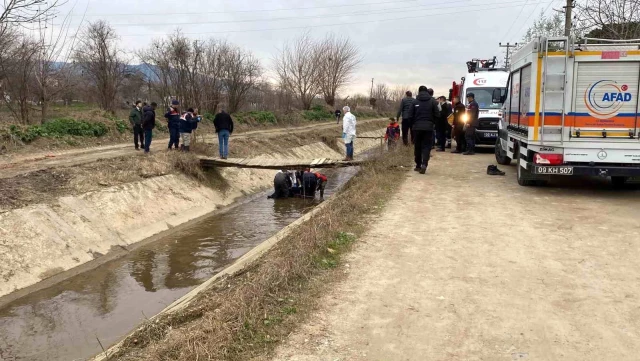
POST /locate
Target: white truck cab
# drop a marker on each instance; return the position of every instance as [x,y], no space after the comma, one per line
[572,109]
[482,80]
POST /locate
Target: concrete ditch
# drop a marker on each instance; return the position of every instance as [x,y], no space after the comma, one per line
[45,240]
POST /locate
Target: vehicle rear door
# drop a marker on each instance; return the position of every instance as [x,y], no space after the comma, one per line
[605,104]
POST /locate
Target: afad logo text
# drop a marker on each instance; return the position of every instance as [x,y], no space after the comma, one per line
[605,98]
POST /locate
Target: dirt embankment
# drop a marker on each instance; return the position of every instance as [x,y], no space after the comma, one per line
[54,220]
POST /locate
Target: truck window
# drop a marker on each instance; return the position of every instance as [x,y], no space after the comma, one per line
[525,97]
[484,97]
[514,107]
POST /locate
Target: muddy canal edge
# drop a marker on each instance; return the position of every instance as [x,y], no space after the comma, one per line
[251,305]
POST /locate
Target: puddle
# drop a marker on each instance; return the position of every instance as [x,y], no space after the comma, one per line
[66,321]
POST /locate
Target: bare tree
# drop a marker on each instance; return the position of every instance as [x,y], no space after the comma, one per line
[612,19]
[380,96]
[25,12]
[297,66]
[102,61]
[338,58]
[211,74]
[242,71]
[54,70]
[18,68]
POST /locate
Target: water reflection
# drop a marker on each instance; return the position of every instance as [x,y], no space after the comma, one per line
[64,322]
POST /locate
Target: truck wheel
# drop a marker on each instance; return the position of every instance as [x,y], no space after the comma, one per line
[524,176]
[618,182]
[501,155]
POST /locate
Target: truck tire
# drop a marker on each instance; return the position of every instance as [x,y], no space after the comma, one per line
[501,155]
[618,182]
[524,176]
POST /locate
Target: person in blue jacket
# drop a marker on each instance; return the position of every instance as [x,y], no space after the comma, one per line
[173,119]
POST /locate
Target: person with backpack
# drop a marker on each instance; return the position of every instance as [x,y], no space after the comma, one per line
[425,114]
[148,123]
[173,122]
[224,127]
[135,118]
[188,122]
[393,133]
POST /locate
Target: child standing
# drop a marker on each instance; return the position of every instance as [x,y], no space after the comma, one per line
[393,133]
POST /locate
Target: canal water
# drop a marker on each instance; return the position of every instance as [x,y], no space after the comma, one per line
[66,321]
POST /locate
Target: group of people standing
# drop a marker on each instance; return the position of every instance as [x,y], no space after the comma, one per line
[181,126]
[425,122]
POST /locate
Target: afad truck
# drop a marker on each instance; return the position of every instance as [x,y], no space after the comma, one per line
[482,79]
[572,109]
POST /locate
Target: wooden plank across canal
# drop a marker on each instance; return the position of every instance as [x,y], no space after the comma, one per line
[261,163]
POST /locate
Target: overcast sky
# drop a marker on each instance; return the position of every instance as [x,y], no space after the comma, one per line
[401,42]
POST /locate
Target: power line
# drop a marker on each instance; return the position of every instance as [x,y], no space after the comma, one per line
[532,12]
[338,24]
[261,10]
[374,12]
[514,21]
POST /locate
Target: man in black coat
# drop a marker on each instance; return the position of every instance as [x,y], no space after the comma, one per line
[425,114]
[442,126]
[224,127]
[148,123]
[406,109]
[473,114]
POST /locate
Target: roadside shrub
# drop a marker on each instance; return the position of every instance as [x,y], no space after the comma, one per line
[260,117]
[316,113]
[208,116]
[121,125]
[58,128]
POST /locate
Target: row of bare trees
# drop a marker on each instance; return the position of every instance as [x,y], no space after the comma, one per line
[308,68]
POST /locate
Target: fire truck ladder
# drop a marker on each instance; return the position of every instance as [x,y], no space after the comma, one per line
[558,43]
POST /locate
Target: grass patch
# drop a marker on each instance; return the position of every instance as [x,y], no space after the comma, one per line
[259,117]
[317,112]
[246,315]
[121,125]
[58,128]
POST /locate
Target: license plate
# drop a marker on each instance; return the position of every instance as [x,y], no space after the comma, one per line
[553,170]
[490,135]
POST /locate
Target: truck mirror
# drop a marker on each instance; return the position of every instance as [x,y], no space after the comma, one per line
[497,96]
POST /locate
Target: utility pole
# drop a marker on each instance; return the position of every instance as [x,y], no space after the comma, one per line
[371,94]
[507,58]
[567,17]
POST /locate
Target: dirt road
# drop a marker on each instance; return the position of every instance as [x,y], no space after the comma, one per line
[13,166]
[465,266]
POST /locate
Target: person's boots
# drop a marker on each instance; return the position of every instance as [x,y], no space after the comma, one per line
[423,169]
[186,148]
[182,147]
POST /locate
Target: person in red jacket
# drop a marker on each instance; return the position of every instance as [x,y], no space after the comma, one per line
[322,182]
[393,133]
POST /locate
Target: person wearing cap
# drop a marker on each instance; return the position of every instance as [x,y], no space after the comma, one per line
[473,112]
[173,119]
[425,113]
[405,109]
[348,131]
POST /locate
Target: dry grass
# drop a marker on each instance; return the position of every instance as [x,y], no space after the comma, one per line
[246,315]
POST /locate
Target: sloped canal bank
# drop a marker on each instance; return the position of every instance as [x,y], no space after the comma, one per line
[70,320]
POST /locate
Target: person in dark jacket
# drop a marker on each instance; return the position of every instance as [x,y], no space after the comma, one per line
[338,113]
[425,114]
[406,109]
[281,185]
[188,122]
[442,126]
[173,119]
[148,123]
[458,125]
[135,118]
[473,113]
[309,184]
[224,127]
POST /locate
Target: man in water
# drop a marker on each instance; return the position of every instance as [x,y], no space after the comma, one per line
[281,185]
